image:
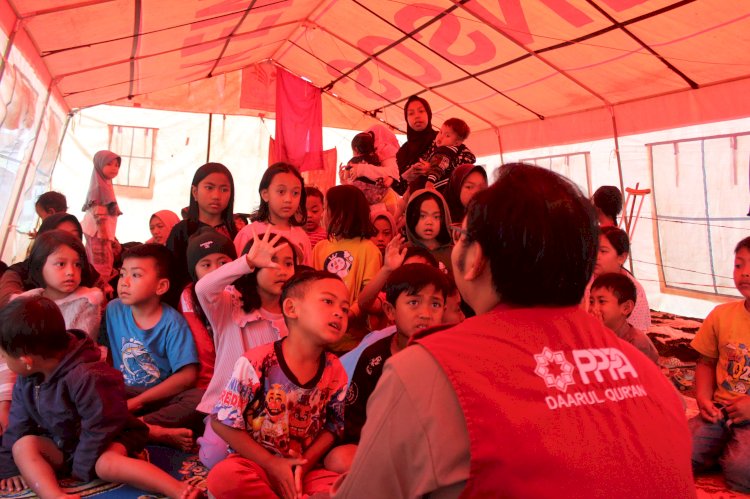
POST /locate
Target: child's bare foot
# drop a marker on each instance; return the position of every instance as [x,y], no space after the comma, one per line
[179,438]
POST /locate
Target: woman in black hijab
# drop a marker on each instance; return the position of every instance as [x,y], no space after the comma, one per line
[419,137]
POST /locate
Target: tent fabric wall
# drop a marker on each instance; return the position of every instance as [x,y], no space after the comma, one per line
[240,142]
[237,141]
[671,254]
[31,128]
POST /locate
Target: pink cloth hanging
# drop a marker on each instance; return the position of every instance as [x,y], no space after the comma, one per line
[299,122]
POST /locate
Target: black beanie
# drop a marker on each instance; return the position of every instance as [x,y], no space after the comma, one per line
[207,242]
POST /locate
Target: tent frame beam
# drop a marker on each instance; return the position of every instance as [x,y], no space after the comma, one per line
[27,167]
[402,74]
[365,112]
[134,49]
[9,46]
[229,37]
[534,54]
[410,35]
[645,46]
[537,53]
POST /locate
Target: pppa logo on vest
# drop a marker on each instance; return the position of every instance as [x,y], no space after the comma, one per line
[594,366]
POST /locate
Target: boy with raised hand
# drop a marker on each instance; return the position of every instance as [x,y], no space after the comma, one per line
[151,344]
[612,299]
[721,432]
[283,408]
[69,414]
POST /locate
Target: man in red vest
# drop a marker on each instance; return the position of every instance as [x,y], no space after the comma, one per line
[532,397]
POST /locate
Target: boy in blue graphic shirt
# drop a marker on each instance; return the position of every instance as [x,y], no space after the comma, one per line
[152,346]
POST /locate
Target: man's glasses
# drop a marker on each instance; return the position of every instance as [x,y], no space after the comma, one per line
[456,233]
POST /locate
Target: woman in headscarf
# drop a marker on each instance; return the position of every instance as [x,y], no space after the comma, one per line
[419,138]
[160,224]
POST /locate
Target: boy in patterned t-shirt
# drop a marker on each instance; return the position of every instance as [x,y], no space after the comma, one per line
[283,408]
[721,433]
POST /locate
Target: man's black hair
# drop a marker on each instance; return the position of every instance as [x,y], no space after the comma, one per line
[539,234]
[619,284]
[413,278]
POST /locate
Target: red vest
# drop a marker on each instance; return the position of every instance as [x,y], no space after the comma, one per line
[557,406]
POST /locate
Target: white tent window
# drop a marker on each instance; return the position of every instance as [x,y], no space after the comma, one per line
[135,145]
[574,166]
[700,189]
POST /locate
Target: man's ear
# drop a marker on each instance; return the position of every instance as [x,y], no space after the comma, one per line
[475,262]
[28,361]
[289,308]
[389,311]
[162,286]
[627,307]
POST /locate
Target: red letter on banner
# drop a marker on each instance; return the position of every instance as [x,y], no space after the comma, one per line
[446,35]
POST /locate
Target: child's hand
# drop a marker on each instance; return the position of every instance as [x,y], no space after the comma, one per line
[708,410]
[394,253]
[13,484]
[262,251]
[415,170]
[299,471]
[739,410]
[345,173]
[352,171]
[134,404]
[285,474]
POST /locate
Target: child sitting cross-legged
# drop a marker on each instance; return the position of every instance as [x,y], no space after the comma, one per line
[283,408]
[612,300]
[69,415]
[243,316]
[151,344]
[721,432]
[415,300]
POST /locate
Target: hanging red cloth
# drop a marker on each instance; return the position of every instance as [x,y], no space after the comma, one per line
[299,122]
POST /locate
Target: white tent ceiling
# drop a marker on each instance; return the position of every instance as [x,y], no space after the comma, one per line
[536,71]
